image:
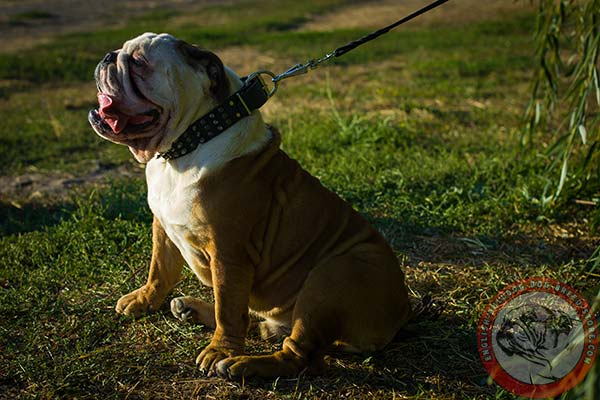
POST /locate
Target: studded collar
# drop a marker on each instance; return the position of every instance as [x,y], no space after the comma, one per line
[251,96]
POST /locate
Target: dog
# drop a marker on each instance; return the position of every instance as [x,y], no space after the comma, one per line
[270,240]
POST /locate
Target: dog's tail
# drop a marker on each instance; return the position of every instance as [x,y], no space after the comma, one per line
[424,309]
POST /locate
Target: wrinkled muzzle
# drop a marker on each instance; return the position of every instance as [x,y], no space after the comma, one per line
[124,114]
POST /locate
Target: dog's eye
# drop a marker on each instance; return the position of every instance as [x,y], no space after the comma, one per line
[138,61]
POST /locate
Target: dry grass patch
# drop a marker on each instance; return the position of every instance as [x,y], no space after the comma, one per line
[376,14]
[67,16]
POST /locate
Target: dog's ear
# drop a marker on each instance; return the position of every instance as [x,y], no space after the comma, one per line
[211,63]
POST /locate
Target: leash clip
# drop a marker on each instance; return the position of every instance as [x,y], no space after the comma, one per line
[300,69]
[296,70]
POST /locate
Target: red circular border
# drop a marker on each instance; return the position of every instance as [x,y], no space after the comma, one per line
[501,377]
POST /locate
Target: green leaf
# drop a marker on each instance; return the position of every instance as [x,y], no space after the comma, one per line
[563,176]
[597,85]
[582,133]
[537,113]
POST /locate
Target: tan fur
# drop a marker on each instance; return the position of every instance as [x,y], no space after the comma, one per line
[165,270]
[265,235]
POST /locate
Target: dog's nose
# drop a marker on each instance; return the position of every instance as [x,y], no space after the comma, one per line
[110,57]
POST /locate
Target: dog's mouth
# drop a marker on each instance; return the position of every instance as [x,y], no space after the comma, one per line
[113,122]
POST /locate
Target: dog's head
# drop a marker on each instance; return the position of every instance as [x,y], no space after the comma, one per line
[152,89]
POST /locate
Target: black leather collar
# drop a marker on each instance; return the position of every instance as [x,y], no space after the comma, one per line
[239,105]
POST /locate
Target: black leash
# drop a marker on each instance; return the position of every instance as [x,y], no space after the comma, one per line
[352,45]
[299,69]
[254,93]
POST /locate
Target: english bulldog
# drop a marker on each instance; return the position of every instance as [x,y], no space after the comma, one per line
[269,239]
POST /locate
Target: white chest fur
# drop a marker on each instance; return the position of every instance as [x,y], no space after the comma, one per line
[168,192]
[171,194]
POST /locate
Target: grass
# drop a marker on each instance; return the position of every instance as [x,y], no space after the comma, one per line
[417,130]
[28,16]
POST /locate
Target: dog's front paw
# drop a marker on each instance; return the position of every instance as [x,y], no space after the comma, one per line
[138,302]
[211,355]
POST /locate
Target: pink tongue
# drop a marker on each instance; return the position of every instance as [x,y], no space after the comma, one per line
[114,118]
[104,100]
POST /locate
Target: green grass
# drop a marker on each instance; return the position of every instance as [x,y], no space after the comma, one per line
[27,16]
[417,130]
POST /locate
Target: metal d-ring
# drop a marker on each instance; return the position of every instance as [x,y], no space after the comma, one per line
[264,72]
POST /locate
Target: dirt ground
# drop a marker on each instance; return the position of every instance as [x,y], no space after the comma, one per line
[24,23]
[376,14]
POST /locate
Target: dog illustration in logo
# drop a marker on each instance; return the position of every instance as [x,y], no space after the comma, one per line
[537,334]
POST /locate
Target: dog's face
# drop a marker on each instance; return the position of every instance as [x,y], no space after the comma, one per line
[152,89]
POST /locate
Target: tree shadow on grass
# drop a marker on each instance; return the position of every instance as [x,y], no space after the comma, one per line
[123,199]
[31,217]
[434,357]
[431,356]
[550,246]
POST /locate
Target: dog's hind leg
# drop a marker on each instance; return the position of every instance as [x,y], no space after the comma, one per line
[189,308]
[300,349]
[355,302]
